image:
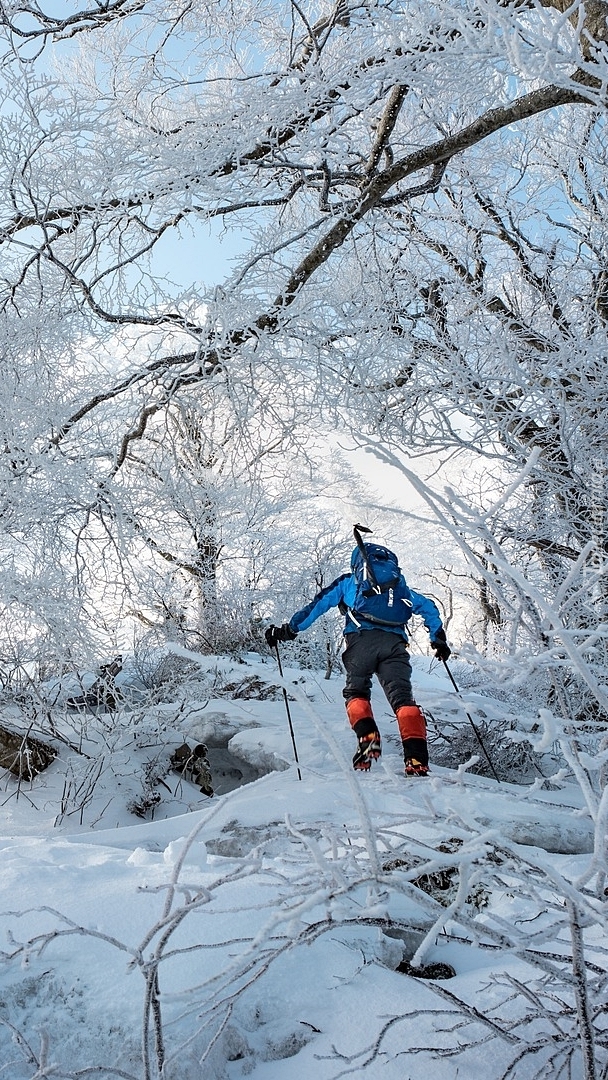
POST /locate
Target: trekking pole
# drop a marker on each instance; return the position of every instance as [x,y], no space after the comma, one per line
[286,700]
[479,738]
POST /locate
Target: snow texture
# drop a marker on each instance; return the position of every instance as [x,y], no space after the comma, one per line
[259,933]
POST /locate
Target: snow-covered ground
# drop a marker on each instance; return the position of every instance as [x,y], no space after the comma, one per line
[258,933]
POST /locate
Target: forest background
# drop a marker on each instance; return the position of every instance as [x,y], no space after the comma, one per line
[409,206]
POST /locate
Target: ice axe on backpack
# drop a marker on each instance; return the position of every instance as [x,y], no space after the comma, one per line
[371,577]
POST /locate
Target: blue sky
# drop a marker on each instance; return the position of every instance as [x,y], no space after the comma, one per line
[197,252]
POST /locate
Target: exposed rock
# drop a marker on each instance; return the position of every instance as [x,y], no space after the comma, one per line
[23,755]
[193,764]
[426,971]
[103,692]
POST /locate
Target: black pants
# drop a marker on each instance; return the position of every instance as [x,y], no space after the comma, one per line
[380,653]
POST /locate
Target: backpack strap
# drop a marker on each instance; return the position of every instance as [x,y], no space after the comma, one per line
[376,590]
[365,617]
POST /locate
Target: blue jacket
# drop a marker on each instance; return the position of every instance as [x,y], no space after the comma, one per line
[341,593]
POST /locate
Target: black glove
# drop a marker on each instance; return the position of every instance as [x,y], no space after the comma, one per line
[440,645]
[273,634]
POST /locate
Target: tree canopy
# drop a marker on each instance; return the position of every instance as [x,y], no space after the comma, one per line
[415,196]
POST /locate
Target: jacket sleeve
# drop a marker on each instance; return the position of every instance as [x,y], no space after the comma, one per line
[323,601]
[428,610]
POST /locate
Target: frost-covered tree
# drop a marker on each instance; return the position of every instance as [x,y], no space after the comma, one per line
[415,199]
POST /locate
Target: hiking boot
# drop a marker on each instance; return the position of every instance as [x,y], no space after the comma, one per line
[368,749]
[413,767]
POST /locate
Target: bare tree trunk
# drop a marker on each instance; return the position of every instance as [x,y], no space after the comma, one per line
[581,993]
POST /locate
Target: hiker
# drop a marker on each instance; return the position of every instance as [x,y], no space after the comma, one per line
[377,604]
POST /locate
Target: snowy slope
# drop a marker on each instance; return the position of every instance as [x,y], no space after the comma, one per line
[258,933]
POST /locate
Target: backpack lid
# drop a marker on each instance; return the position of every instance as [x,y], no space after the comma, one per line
[373,552]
